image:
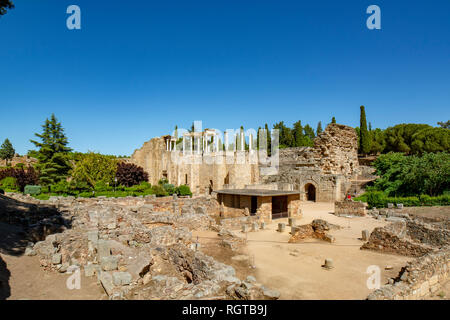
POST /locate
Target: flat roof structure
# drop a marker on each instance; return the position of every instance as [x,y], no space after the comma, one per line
[257,192]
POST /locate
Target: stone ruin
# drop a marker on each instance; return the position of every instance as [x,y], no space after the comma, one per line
[426,239]
[134,251]
[315,230]
[324,172]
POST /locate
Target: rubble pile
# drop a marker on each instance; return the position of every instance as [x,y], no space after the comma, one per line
[316,229]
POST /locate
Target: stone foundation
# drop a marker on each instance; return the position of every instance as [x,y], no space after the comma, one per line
[351,208]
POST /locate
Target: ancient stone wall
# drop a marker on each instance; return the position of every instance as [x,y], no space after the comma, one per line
[353,208]
[202,172]
[328,167]
[418,279]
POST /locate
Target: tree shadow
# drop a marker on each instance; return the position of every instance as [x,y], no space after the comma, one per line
[20,224]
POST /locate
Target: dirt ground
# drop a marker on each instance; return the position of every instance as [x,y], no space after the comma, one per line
[295,269]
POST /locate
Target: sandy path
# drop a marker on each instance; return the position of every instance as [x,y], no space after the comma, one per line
[301,276]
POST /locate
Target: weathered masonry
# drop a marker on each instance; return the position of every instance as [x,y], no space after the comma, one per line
[326,172]
[265,204]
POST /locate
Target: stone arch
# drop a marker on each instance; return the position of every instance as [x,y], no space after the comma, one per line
[310,191]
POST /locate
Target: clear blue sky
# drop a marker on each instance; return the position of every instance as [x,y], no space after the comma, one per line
[138,68]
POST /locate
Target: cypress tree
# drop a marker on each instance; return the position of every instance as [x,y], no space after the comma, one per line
[269,140]
[53,153]
[333,120]
[364,137]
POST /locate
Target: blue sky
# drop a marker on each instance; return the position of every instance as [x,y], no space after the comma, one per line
[134,71]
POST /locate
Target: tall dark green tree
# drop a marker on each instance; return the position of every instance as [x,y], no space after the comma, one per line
[269,139]
[7,151]
[319,128]
[299,137]
[5,4]
[53,153]
[333,120]
[364,137]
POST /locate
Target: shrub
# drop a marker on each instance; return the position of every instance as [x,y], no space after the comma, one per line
[32,190]
[23,176]
[376,199]
[170,188]
[62,187]
[20,165]
[102,187]
[142,187]
[9,183]
[183,190]
[163,181]
[129,174]
[159,191]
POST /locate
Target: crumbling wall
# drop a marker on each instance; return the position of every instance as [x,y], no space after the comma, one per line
[418,279]
[347,207]
[329,166]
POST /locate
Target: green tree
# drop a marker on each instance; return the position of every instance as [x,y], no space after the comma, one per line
[430,140]
[53,154]
[399,138]
[94,168]
[299,137]
[310,135]
[285,135]
[319,128]
[269,139]
[364,137]
[5,4]
[333,120]
[378,141]
[445,125]
[7,151]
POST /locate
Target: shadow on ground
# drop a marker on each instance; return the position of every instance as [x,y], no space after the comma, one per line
[20,224]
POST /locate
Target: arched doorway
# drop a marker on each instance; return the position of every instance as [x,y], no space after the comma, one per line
[310,190]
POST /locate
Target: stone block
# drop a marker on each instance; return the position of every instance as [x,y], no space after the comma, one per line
[106,281]
[121,278]
[281,227]
[56,258]
[109,263]
[390,205]
[103,249]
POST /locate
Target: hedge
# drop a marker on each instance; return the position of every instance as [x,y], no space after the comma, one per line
[379,199]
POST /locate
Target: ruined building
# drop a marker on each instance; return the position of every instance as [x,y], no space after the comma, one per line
[243,184]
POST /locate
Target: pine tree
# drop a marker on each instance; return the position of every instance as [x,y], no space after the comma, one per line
[333,120]
[7,151]
[319,128]
[364,137]
[257,138]
[53,153]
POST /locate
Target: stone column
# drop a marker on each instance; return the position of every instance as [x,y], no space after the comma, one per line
[250,142]
[242,142]
[226,140]
[184,146]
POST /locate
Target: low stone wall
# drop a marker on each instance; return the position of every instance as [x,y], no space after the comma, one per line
[347,207]
[418,279]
